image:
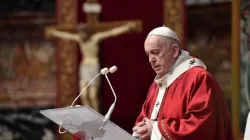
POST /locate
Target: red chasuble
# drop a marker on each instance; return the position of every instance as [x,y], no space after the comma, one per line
[193,108]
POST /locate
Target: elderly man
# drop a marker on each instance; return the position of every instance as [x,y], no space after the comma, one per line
[184,102]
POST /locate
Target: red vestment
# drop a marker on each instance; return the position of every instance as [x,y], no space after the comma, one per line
[193,108]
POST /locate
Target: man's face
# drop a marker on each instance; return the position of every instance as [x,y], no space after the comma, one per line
[161,55]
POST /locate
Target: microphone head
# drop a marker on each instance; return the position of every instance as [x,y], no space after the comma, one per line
[104,71]
[113,69]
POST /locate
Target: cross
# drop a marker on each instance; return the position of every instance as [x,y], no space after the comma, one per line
[157,104]
[92,9]
[192,62]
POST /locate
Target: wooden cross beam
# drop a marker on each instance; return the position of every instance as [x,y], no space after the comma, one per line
[92,9]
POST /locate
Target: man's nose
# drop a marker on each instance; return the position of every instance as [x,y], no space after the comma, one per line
[151,59]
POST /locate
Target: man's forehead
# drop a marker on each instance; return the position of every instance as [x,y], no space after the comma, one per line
[155,39]
[153,44]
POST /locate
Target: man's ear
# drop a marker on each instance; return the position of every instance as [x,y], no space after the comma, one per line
[176,50]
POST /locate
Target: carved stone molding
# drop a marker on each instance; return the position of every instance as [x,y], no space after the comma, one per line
[174,17]
[67,56]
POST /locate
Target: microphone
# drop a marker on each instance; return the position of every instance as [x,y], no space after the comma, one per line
[103,71]
[113,69]
[107,116]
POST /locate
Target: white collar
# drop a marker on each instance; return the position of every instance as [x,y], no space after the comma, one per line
[183,57]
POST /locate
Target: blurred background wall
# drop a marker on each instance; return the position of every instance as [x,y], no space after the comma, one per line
[32,69]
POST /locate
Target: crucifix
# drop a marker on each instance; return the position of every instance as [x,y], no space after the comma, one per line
[88,36]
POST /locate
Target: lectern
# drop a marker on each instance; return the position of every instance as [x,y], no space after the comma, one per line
[85,123]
